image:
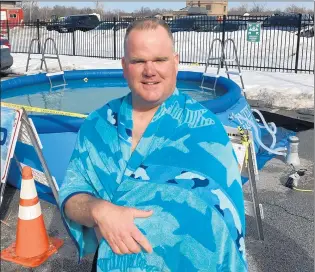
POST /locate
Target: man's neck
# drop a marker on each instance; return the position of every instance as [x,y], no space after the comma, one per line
[143,116]
[141,120]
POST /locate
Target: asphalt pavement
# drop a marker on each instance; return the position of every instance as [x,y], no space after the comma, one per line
[288,223]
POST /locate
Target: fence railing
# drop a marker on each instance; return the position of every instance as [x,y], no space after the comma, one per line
[285,46]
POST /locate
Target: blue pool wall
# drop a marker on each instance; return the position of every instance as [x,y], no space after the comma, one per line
[220,104]
[58,133]
[232,101]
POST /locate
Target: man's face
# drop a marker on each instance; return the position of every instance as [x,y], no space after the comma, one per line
[150,67]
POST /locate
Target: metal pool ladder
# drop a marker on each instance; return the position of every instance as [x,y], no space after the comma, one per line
[43,61]
[222,60]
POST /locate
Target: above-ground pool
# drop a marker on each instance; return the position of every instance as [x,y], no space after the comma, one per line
[88,90]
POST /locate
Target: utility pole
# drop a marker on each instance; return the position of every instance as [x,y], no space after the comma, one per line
[30,7]
[31,3]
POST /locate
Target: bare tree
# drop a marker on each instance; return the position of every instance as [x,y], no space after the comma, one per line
[257,8]
[61,11]
[99,5]
[31,10]
[145,12]
[99,8]
[295,9]
[277,11]
[240,10]
[142,12]
[86,10]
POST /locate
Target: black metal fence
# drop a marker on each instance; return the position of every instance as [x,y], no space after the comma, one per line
[284,46]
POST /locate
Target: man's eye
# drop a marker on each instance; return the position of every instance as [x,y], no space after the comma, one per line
[137,61]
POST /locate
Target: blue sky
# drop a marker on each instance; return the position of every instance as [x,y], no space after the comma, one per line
[131,6]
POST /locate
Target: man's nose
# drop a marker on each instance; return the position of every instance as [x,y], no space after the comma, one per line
[149,69]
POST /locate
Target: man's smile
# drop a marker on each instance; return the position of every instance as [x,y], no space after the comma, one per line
[150,82]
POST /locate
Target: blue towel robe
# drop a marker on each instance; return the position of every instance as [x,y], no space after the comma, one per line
[183,168]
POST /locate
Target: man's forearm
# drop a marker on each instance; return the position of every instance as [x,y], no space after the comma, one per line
[79,209]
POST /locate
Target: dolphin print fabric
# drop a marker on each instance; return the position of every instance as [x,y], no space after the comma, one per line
[183,168]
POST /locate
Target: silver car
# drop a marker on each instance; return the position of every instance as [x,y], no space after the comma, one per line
[6,57]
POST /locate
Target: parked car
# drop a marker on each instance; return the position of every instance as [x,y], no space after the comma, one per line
[200,23]
[6,57]
[204,23]
[285,20]
[230,26]
[105,26]
[306,32]
[110,26]
[83,22]
[121,25]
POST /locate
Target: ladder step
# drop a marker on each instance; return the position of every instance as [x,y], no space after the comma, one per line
[55,73]
[211,75]
[60,85]
[47,57]
[35,58]
[207,88]
[214,59]
[233,73]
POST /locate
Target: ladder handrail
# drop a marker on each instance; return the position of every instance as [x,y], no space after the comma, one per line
[57,57]
[56,52]
[43,59]
[222,59]
[43,50]
[208,60]
[211,48]
[235,58]
[30,49]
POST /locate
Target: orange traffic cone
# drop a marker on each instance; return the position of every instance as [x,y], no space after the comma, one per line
[32,246]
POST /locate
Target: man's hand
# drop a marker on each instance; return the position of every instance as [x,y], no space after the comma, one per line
[116,225]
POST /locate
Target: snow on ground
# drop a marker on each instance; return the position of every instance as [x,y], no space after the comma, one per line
[279,90]
[277,48]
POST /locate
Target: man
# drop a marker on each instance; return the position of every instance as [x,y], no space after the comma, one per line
[153,182]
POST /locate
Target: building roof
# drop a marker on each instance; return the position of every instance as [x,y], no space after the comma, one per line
[185,8]
[196,10]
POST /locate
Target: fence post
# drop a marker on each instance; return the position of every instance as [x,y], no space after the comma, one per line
[37,27]
[223,35]
[115,45]
[298,44]
[8,30]
[73,43]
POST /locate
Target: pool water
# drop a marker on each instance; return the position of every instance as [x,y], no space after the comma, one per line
[85,96]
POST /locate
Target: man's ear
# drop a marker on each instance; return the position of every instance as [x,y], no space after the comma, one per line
[176,58]
[123,64]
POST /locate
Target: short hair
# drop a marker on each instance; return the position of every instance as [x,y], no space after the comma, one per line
[147,24]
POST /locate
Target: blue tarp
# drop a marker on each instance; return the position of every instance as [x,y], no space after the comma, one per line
[282,136]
